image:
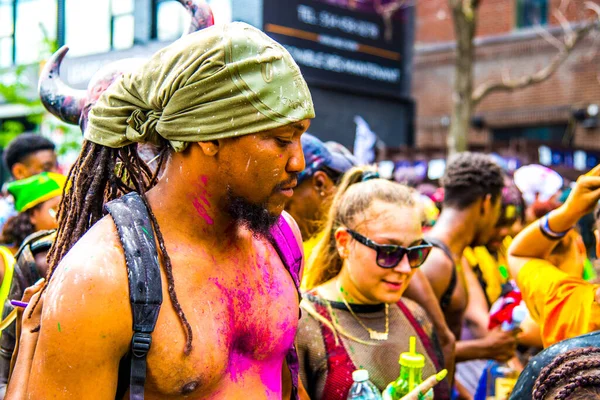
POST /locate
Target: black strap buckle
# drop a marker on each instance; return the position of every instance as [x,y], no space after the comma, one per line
[140,344]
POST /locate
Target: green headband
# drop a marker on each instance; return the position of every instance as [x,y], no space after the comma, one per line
[30,192]
[224,81]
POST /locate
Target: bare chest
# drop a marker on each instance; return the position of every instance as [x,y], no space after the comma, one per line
[243,315]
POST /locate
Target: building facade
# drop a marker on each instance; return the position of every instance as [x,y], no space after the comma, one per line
[356,56]
[554,122]
[97,32]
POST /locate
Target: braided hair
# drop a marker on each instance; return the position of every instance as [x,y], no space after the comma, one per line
[572,375]
[101,174]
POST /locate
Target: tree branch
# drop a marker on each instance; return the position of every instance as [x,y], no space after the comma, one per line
[571,39]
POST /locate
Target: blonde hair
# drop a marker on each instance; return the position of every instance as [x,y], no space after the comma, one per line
[353,196]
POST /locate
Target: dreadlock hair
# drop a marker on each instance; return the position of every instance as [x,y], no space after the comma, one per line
[572,375]
[353,196]
[101,174]
[469,177]
[18,227]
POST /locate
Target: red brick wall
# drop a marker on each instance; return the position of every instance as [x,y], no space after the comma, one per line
[495,17]
[433,22]
[576,84]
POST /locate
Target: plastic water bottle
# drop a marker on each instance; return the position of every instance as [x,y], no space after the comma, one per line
[363,388]
[501,378]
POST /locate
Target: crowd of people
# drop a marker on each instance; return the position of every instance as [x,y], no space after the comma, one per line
[260,262]
[481,251]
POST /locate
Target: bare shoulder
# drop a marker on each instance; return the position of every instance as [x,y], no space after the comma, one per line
[415,309]
[437,262]
[438,269]
[86,320]
[90,283]
[97,257]
[419,314]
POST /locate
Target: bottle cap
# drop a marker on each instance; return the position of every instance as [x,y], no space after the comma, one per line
[412,359]
[519,314]
[360,375]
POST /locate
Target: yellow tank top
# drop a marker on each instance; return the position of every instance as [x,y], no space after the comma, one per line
[491,270]
[9,268]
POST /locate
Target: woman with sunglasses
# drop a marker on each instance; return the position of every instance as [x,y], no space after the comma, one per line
[353,314]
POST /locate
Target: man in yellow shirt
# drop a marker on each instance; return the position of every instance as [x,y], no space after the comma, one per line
[563,305]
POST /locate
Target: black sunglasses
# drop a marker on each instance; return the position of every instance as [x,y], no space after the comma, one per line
[390,255]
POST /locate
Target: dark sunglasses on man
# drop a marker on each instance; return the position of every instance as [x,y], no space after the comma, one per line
[390,255]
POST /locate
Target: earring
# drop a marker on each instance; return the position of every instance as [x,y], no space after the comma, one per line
[322,194]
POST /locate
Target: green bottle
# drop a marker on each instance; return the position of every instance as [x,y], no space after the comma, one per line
[411,375]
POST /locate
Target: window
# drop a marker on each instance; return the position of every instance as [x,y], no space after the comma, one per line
[7,33]
[26,28]
[35,26]
[87,29]
[98,26]
[171,19]
[531,13]
[121,24]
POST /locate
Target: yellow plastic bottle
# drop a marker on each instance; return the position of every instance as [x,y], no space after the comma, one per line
[411,375]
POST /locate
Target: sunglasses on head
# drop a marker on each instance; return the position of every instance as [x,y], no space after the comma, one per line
[390,255]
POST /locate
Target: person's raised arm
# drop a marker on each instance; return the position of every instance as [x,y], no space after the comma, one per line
[532,243]
[86,324]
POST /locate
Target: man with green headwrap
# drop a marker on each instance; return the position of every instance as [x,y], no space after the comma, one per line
[226,107]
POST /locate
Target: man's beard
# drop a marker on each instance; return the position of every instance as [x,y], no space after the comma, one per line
[255,217]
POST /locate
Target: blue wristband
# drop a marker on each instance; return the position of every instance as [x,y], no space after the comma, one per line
[549,233]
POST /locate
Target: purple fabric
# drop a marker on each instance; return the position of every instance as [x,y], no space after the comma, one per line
[286,244]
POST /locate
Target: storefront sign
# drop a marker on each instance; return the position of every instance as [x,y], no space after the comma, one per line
[361,45]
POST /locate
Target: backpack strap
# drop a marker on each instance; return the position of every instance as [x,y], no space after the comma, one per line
[447,295]
[284,241]
[145,287]
[26,269]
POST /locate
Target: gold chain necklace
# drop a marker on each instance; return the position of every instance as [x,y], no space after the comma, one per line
[373,334]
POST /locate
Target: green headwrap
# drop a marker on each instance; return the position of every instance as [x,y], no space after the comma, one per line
[221,82]
[30,192]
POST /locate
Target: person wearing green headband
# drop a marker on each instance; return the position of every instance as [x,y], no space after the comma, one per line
[226,108]
[36,199]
